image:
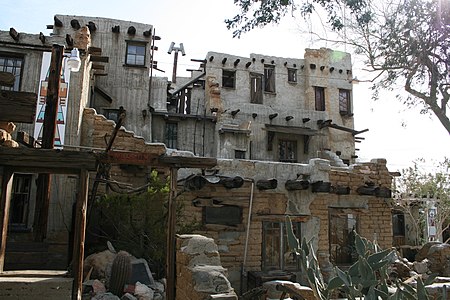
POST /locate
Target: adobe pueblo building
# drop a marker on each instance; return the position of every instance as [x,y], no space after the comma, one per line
[280,130]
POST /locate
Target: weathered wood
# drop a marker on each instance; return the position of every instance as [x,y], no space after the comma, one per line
[187,162]
[367,190]
[170,257]
[14,34]
[25,139]
[42,37]
[293,185]
[233,182]
[80,234]
[69,40]
[5,199]
[17,106]
[92,27]
[75,24]
[63,162]
[267,184]
[341,190]
[321,187]
[57,22]
[7,79]
[95,50]
[98,58]
[195,183]
[98,67]
[133,158]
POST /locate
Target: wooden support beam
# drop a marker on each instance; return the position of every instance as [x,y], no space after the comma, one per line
[17,106]
[14,34]
[296,185]
[5,199]
[95,51]
[42,37]
[171,246]
[267,184]
[69,40]
[98,67]
[232,182]
[80,234]
[7,79]
[98,58]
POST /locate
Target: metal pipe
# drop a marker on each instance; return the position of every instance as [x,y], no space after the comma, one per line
[248,231]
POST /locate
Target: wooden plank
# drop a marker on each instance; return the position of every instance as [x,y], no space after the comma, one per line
[47,159]
[6,189]
[98,67]
[171,221]
[187,162]
[80,234]
[95,50]
[290,129]
[7,79]
[17,106]
[98,58]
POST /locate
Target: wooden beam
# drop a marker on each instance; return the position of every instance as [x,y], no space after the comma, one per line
[95,50]
[80,234]
[47,159]
[98,67]
[98,58]
[7,79]
[170,258]
[42,37]
[5,199]
[187,162]
[14,34]
[17,106]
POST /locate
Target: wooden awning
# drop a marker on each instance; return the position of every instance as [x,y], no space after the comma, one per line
[290,129]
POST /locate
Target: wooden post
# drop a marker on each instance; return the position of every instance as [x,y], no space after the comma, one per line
[175,63]
[6,189]
[48,137]
[171,222]
[79,236]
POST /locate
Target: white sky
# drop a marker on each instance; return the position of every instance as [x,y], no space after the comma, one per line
[398,134]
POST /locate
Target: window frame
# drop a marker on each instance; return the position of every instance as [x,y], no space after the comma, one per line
[281,234]
[135,55]
[269,79]
[319,98]
[345,108]
[17,75]
[398,224]
[284,144]
[171,135]
[346,248]
[292,75]
[256,88]
[22,224]
[229,78]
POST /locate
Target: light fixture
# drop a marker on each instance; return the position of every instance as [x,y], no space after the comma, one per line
[74,61]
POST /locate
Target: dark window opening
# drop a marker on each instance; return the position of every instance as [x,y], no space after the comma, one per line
[292,75]
[14,65]
[20,201]
[228,78]
[239,154]
[342,237]
[269,79]
[228,215]
[184,102]
[344,102]
[319,93]
[287,151]
[135,55]
[398,224]
[275,251]
[171,135]
[256,95]
[112,114]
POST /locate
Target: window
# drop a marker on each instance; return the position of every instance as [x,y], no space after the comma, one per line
[398,224]
[342,238]
[276,253]
[20,199]
[287,151]
[344,102]
[239,154]
[228,215]
[135,54]
[12,64]
[269,78]
[229,78]
[112,114]
[171,135]
[319,98]
[256,95]
[292,75]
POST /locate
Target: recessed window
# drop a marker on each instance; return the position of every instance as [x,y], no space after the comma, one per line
[20,201]
[276,252]
[292,75]
[256,95]
[342,238]
[398,224]
[344,102]
[14,65]
[171,135]
[112,114]
[319,93]
[135,54]
[239,154]
[229,78]
[287,151]
[269,78]
[228,215]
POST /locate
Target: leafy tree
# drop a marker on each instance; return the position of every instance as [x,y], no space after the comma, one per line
[416,189]
[405,42]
